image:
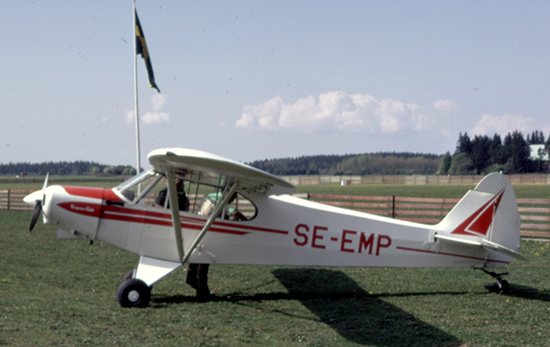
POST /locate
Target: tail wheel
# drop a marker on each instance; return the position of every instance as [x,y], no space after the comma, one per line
[504,286]
[133,293]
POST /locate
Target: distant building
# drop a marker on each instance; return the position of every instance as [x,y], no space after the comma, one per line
[537,151]
[539,154]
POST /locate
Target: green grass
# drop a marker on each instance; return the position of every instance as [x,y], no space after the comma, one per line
[535,191]
[541,191]
[64,293]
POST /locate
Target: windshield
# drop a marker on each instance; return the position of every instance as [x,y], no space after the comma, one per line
[133,189]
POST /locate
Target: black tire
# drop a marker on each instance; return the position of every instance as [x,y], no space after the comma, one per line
[133,293]
[128,275]
[504,287]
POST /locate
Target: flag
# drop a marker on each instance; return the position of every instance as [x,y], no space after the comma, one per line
[141,48]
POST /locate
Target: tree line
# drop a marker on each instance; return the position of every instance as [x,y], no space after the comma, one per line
[472,156]
[66,168]
[388,163]
[482,154]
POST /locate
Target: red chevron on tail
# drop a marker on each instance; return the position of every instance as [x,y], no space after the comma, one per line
[478,223]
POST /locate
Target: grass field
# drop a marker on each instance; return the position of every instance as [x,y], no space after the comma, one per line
[533,191]
[64,293]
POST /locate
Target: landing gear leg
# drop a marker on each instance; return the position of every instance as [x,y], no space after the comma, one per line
[503,285]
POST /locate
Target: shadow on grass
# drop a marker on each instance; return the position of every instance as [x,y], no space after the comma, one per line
[524,292]
[357,316]
[339,302]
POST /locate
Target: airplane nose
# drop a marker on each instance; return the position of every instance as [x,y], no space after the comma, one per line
[36,200]
[32,198]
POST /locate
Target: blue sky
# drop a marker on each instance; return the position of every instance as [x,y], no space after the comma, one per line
[268,79]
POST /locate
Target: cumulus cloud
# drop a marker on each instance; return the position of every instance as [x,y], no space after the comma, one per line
[339,111]
[490,124]
[157,116]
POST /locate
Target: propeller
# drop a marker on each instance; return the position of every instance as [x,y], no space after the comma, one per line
[38,203]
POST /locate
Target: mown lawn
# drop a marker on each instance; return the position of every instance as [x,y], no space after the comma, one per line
[533,191]
[64,293]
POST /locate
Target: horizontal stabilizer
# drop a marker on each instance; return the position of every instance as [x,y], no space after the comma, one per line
[482,243]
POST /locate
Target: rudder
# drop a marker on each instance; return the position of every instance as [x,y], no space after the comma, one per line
[488,212]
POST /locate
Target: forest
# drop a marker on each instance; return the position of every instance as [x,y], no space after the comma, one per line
[511,155]
[390,163]
[65,168]
[472,156]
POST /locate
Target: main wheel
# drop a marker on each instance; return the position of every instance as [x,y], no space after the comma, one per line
[133,293]
[128,275]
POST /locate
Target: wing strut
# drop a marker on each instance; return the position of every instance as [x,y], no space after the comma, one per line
[228,192]
[173,196]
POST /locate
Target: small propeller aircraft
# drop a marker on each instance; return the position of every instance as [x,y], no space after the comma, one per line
[274,228]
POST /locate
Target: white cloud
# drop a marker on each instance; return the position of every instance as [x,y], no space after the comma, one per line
[130,116]
[490,124]
[157,116]
[340,112]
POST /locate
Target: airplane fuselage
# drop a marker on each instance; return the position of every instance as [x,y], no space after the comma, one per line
[285,231]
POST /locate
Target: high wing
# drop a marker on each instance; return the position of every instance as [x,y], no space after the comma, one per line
[203,167]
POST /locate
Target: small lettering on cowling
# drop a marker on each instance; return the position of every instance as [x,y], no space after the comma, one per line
[87,209]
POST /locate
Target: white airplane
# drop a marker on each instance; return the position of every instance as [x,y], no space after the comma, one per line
[265,225]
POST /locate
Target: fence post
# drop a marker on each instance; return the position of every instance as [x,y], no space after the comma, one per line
[8,199]
[393,207]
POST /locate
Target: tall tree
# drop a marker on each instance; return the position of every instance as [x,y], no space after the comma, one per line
[460,165]
[496,151]
[464,144]
[445,164]
[480,156]
[518,148]
[536,138]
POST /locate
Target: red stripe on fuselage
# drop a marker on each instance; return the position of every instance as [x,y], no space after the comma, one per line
[165,219]
[245,227]
[94,193]
[124,214]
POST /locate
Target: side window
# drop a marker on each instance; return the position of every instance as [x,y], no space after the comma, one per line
[244,206]
[193,197]
[203,198]
[154,196]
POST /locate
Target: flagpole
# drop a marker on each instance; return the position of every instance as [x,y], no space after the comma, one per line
[136,94]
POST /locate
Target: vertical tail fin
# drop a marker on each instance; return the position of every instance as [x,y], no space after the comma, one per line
[489,212]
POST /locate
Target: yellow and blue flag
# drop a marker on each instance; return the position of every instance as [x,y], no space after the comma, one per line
[141,48]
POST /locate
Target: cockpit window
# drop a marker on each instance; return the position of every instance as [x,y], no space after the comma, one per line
[134,189]
[150,188]
[239,207]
